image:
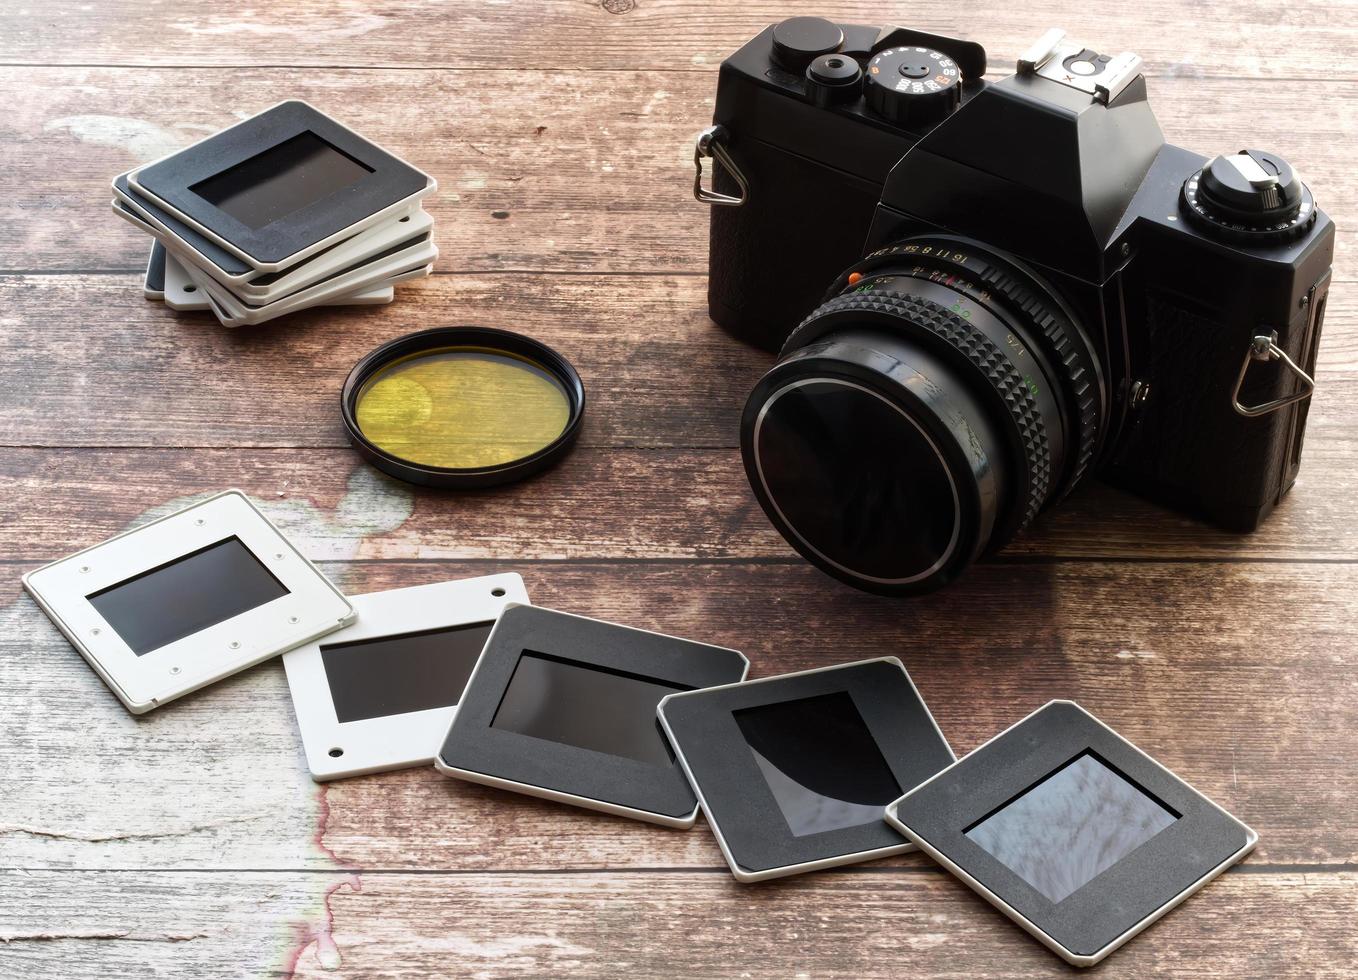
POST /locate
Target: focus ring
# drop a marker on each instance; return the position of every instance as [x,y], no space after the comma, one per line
[984,355]
[1079,373]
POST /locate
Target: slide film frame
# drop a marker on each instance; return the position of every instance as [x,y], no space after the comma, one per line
[399,740]
[1143,885]
[476,751]
[751,830]
[390,185]
[312,607]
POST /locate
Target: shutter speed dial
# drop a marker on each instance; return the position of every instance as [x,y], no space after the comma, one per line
[911,85]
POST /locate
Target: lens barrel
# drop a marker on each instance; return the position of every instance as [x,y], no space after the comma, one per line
[930,409]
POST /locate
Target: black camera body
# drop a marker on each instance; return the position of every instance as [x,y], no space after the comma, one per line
[1086,295]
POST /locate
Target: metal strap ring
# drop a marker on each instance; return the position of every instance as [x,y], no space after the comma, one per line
[709,145]
[1264,347]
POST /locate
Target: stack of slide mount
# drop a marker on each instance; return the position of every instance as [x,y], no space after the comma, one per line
[284,211]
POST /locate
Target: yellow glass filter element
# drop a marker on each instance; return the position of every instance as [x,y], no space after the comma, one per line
[462,408]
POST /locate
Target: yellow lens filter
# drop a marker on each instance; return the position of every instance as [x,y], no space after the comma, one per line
[463,407]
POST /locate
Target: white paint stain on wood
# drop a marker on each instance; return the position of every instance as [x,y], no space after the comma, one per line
[654,101]
[335,24]
[143,140]
[216,780]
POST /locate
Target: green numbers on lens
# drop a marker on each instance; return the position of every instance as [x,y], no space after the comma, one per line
[958,307]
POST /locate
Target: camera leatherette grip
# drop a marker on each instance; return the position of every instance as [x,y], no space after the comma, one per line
[767,262]
[1186,447]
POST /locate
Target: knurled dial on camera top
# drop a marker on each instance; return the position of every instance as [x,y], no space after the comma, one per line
[1250,196]
[912,85]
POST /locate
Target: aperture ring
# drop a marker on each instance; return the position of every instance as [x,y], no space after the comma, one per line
[984,355]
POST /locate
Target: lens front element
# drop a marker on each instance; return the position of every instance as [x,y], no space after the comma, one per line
[874,461]
[857,480]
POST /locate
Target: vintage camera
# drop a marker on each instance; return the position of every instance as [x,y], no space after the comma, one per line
[1026,283]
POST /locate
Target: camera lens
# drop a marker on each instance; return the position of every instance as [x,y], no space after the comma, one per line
[856,453]
[939,400]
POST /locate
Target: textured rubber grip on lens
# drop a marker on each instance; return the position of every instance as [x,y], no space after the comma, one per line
[994,365]
[1079,370]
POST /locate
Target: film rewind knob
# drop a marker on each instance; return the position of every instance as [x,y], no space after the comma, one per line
[797,41]
[1253,195]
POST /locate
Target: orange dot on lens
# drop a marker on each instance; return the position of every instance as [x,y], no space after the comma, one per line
[854,277]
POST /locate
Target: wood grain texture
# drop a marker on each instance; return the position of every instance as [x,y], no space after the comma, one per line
[658,373]
[1257,40]
[607,502]
[594,170]
[856,923]
[190,841]
[1181,676]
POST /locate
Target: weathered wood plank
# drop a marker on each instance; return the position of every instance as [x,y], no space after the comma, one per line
[1144,646]
[191,841]
[603,503]
[594,170]
[848,925]
[1171,34]
[1250,709]
[844,924]
[87,361]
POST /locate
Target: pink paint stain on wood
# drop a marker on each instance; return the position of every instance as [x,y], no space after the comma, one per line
[319,934]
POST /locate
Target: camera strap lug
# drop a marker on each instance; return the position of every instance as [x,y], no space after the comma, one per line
[709,144]
[1264,347]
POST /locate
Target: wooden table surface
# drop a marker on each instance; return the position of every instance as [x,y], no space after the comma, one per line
[191,842]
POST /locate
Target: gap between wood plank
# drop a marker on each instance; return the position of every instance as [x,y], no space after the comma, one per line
[792,561]
[1239,869]
[704,70]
